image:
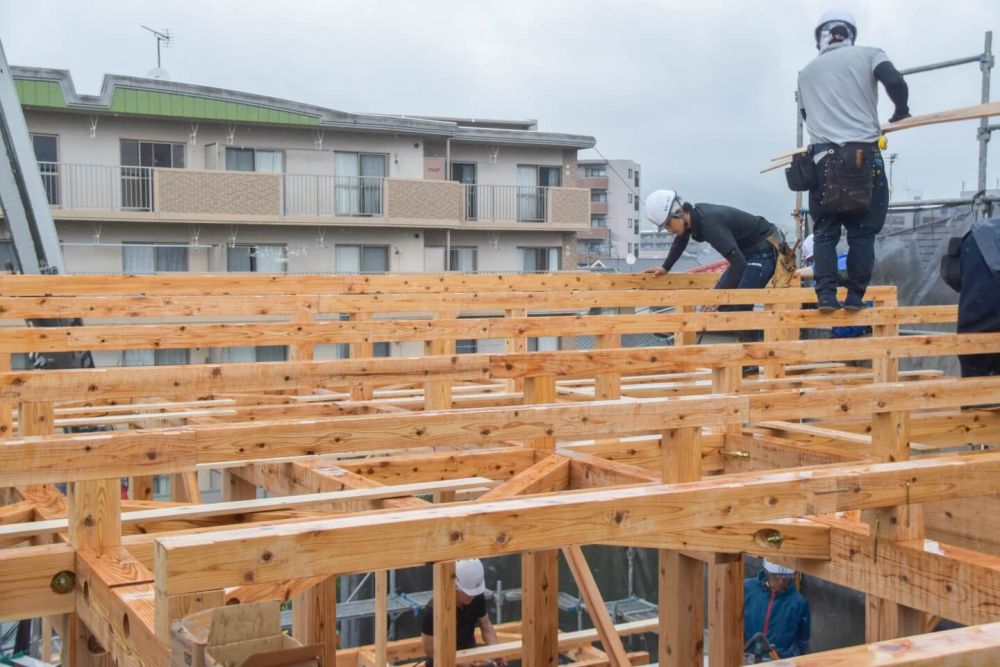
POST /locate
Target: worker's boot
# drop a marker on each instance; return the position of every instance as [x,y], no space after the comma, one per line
[827,302]
[854,302]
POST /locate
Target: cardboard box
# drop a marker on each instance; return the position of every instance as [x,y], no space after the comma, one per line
[243,635]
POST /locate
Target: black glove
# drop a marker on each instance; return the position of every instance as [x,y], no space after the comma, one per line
[900,115]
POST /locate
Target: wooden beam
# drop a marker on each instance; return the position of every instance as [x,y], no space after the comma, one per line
[551,473]
[443,532]
[725,617]
[381,616]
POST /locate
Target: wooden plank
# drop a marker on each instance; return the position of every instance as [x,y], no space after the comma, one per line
[444,614]
[442,532]
[977,646]
[25,577]
[799,539]
[381,616]
[596,608]
[314,618]
[226,508]
[95,514]
[169,608]
[252,284]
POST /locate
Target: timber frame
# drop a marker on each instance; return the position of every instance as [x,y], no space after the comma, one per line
[873,478]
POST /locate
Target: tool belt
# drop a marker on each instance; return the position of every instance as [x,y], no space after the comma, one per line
[801,173]
[784,265]
[849,179]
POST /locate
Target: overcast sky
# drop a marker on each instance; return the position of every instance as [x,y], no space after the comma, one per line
[700,92]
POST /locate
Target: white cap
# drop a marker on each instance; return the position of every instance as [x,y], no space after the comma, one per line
[469,576]
[660,204]
[840,15]
[807,247]
[774,568]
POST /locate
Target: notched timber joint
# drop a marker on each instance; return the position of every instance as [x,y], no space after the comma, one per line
[740,454]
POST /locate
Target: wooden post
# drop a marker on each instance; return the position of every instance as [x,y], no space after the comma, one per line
[184,487]
[381,616]
[437,394]
[775,335]
[314,617]
[363,350]
[301,351]
[36,418]
[607,386]
[444,614]
[685,337]
[727,381]
[140,487]
[725,617]
[539,390]
[539,608]
[6,407]
[681,578]
[885,369]
[891,442]
[235,487]
[516,345]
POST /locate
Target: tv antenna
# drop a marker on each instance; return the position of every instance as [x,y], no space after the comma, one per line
[162,37]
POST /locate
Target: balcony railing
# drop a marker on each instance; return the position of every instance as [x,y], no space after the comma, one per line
[506,203]
[307,194]
[220,192]
[114,188]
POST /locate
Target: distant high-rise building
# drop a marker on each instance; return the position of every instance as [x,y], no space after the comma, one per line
[614,210]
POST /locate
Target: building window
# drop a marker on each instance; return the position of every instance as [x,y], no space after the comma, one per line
[47,155]
[155,357]
[593,247]
[148,258]
[358,183]
[254,159]
[635,229]
[138,159]
[637,204]
[465,173]
[532,181]
[630,198]
[242,355]
[543,344]
[463,259]
[539,260]
[598,221]
[466,346]
[361,259]
[257,258]
[595,171]
[599,196]
[630,172]
[629,251]
[636,178]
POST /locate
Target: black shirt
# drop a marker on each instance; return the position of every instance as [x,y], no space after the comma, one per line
[732,232]
[467,619]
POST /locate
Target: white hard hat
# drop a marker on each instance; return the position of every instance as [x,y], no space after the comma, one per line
[840,15]
[774,568]
[469,576]
[660,204]
[807,248]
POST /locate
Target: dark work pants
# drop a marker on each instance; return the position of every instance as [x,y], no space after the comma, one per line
[759,270]
[978,307]
[861,231]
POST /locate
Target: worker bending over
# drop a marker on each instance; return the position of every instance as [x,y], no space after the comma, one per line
[748,242]
[838,99]
[774,608]
[470,612]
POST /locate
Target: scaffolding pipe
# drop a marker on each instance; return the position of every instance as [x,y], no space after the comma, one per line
[986,66]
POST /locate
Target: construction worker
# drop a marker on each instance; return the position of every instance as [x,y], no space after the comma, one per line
[774,609]
[978,282]
[807,274]
[749,242]
[838,98]
[470,612]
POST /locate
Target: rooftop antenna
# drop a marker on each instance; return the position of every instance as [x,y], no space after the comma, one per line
[162,37]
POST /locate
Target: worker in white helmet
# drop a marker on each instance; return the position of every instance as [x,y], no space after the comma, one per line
[750,243]
[773,607]
[470,611]
[838,99]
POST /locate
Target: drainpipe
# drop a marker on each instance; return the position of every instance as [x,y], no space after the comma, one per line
[447,250]
[447,159]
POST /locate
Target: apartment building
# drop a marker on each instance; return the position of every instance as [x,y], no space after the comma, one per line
[152,175]
[614,211]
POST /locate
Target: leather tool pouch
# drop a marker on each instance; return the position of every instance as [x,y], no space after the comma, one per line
[801,174]
[850,179]
[951,264]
